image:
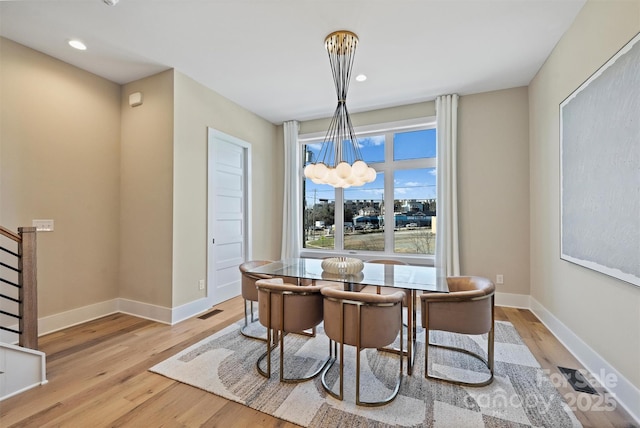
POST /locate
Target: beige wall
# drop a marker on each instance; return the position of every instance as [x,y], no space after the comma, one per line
[59,159]
[393,114]
[493,176]
[493,187]
[603,311]
[197,108]
[146,191]
[125,185]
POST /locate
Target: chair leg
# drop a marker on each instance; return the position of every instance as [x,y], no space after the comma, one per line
[333,356]
[267,354]
[427,339]
[394,394]
[340,396]
[332,360]
[278,340]
[321,369]
[243,330]
[490,354]
[489,362]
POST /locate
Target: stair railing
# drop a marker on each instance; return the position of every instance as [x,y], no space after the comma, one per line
[23,263]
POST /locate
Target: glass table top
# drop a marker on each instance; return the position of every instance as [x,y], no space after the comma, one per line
[423,278]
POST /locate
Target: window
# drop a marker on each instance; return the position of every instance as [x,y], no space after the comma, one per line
[391,216]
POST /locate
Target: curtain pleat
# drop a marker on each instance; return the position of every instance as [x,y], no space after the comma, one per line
[447,251]
[291,226]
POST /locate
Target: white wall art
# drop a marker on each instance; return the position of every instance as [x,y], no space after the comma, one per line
[600,169]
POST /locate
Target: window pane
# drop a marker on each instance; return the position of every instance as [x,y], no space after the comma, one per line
[363,213]
[372,148]
[414,194]
[319,214]
[312,153]
[414,144]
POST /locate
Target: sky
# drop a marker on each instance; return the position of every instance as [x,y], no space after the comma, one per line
[408,184]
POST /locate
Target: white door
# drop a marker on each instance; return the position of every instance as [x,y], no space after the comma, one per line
[228,220]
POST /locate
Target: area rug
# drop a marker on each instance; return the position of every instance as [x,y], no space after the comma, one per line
[521,394]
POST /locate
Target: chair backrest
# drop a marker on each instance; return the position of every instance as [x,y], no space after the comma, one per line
[467,308]
[249,290]
[302,305]
[381,316]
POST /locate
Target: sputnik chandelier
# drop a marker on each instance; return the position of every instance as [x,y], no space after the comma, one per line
[339,162]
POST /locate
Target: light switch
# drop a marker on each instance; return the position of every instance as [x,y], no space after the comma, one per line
[43,225]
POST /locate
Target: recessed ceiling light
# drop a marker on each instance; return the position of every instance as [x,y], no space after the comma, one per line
[361,77]
[77,44]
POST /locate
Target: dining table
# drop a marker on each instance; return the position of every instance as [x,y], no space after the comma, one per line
[410,278]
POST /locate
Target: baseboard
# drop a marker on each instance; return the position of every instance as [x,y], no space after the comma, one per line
[161,314]
[148,311]
[189,310]
[625,393]
[512,300]
[59,321]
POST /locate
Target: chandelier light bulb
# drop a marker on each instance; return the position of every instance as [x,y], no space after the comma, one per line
[371,175]
[309,171]
[354,181]
[344,175]
[332,178]
[359,168]
[321,171]
[343,170]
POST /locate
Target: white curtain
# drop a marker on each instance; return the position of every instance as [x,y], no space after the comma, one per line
[291,226]
[447,252]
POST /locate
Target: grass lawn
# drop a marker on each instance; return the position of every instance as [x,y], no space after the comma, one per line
[416,241]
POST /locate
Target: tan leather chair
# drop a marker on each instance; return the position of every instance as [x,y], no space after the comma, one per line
[250,292]
[287,308]
[363,320]
[468,308]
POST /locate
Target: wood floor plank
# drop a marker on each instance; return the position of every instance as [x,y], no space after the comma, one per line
[98,376]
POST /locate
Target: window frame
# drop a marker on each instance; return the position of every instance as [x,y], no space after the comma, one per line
[388,167]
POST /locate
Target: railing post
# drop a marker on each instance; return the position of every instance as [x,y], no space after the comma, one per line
[29,290]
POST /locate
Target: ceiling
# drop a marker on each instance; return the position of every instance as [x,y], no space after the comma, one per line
[268,55]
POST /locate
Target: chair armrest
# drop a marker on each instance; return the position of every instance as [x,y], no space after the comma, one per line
[278,285]
[457,296]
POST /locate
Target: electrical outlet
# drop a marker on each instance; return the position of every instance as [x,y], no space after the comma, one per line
[201,284]
[499,279]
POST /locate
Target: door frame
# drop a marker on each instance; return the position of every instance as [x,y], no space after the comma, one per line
[213,136]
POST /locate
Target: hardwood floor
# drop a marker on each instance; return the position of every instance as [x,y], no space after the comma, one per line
[98,377]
